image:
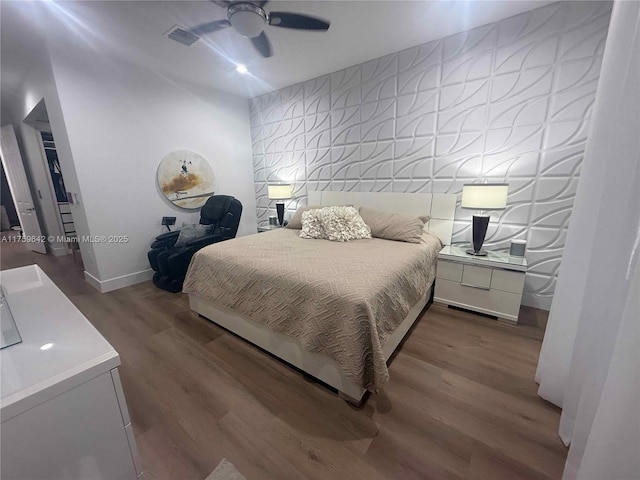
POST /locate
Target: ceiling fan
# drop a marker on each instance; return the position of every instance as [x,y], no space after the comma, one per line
[250,18]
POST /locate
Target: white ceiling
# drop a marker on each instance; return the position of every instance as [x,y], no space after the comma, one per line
[133,30]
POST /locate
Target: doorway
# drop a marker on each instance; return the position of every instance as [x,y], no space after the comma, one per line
[57,183]
[39,179]
[40,143]
[16,176]
[9,220]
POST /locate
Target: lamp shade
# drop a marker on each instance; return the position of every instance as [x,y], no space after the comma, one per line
[279,192]
[485,196]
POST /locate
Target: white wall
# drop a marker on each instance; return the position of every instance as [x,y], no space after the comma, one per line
[121,120]
[509,101]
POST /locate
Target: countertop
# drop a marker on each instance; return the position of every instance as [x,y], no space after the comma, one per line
[59,350]
[492,259]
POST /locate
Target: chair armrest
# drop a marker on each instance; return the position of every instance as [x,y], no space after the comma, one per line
[167,235]
[166,240]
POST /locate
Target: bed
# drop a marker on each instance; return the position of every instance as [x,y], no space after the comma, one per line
[337,311]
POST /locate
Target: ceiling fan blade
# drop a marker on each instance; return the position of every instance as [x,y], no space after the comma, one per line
[221,3]
[261,3]
[297,20]
[210,27]
[262,44]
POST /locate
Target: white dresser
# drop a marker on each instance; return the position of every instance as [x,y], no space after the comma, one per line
[63,410]
[492,284]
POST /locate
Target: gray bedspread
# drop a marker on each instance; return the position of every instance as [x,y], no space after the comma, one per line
[342,300]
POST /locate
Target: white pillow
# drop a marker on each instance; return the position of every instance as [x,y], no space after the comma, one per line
[312,224]
[342,224]
[296,219]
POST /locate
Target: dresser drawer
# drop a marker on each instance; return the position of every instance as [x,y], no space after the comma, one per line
[507,281]
[479,277]
[492,302]
[449,270]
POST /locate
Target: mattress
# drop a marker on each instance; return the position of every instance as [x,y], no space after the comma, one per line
[342,300]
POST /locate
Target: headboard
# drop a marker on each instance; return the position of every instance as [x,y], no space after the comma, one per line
[441,206]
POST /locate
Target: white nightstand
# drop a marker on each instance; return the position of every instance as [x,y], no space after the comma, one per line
[265,227]
[491,285]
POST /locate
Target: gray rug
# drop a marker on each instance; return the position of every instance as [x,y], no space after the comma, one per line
[225,471]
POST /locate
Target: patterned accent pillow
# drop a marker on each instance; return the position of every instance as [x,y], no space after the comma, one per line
[342,224]
[296,219]
[312,226]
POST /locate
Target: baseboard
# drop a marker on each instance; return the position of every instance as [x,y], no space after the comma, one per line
[59,250]
[534,301]
[93,281]
[104,286]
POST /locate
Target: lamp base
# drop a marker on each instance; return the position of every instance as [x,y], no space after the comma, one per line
[480,224]
[280,212]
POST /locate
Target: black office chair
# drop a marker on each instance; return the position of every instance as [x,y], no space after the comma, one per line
[170,263]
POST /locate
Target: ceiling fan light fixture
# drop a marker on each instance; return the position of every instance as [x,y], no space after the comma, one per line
[247,19]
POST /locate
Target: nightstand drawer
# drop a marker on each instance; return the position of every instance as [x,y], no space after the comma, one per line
[479,277]
[449,271]
[492,302]
[507,281]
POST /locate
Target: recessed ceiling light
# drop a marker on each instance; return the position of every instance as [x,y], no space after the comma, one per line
[46,346]
[241,69]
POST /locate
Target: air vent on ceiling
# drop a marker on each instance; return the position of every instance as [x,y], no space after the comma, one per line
[182,36]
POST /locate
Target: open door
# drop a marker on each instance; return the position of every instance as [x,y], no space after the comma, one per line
[17,178]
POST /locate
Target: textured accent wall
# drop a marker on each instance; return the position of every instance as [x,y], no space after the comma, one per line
[509,101]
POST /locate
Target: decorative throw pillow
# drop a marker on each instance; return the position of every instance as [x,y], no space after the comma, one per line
[189,233]
[296,220]
[342,224]
[312,224]
[393,226]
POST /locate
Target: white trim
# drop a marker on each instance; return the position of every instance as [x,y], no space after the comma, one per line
[534,301]
[104,286]
[58,250]
[93,281]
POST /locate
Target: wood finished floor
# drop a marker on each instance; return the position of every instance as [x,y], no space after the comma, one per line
[461,403]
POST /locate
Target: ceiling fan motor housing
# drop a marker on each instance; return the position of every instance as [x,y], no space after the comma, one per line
[250,19]
[247,19]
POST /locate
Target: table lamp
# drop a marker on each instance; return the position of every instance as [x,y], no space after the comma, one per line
[279,192]
[483,197]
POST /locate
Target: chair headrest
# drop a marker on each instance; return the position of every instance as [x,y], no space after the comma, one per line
[214,209]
